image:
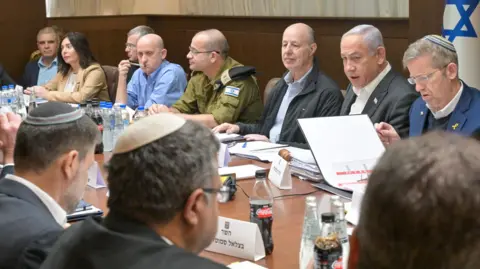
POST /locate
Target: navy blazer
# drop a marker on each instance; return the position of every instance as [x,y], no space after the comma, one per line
[27,228]
[30,75]
[465,118]
[5,79]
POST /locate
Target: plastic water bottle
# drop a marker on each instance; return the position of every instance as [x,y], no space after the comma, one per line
[261,209]
[125,116]
[108,127]
[139,114]
[13,97]
[118,125]
[21,107]
[311,230]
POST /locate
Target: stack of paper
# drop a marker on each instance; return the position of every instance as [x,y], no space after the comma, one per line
[257,150]
[245,265]
[303,164]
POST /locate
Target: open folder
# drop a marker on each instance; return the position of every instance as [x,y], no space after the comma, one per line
[345,148]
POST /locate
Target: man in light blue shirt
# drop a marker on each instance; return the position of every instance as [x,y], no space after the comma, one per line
[42,71]
[157,81]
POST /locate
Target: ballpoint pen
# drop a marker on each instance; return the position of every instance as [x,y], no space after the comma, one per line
[244,145]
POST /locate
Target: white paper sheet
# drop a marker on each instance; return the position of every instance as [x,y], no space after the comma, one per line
[241,171]
[346,148]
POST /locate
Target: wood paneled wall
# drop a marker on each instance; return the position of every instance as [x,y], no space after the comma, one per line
[19,26]
[253,41]
[263,8]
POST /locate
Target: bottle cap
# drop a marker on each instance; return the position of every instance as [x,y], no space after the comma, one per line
[141,108]
[123,106]
[328,217]
[260,174]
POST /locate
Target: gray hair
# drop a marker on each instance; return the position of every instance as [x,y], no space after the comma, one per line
[141,30]
[162,174]
[441,56]
[371,36]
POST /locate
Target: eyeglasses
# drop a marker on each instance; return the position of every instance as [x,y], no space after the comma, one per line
[195,52]
[130,46]
[223,194]
[423,78]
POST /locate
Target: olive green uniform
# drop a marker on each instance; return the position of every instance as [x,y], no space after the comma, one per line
[238,100]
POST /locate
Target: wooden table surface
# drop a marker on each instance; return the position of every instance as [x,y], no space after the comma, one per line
[288,213]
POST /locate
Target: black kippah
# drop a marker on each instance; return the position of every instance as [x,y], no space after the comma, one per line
[53,113]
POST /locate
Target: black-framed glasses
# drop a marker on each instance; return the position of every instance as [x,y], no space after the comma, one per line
[222,194]
[193,51]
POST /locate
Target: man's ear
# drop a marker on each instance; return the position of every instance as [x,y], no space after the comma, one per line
[381,55]
[354,250]
[313,49]
[69,163]
[451,71]
[164,54]
[194,206]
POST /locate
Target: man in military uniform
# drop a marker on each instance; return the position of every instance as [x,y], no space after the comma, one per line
[220,89]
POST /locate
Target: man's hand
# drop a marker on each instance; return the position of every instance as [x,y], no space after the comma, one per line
[39,91]
[156,108]
[227,128]
[256,137]
[9,124]
[386,133]
[123,68]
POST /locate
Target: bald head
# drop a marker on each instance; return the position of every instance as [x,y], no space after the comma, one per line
[303,31]
[151,40]
[214,41]
[150,52]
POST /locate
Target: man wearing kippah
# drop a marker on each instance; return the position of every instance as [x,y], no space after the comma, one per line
[447,103]
[54,148]
[164,193]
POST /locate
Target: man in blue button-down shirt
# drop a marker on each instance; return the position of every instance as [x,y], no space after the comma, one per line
[157,81]
[42,71]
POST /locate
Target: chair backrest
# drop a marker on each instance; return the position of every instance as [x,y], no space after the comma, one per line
[271,83]
[111,73]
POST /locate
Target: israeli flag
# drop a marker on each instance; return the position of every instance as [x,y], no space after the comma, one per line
[461,25]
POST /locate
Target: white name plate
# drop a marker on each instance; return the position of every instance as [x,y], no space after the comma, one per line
[223,155]
[95,178]
[239,239]
[280,173]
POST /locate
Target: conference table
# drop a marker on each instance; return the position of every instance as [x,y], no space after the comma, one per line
[288,213]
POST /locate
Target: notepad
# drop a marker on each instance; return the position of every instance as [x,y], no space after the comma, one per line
[245,265]
[241,171]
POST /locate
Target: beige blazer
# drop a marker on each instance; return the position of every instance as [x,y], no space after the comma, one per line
[90,83]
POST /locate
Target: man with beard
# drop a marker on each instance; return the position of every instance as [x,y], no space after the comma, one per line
[53,150]
[164,193]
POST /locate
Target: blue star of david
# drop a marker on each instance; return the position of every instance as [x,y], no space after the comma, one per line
[464,19]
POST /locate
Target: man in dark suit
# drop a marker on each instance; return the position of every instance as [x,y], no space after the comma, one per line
[447,103]
[164,189]
[5,78]
[304,92]
[49,180]
[375,88]
[41,71]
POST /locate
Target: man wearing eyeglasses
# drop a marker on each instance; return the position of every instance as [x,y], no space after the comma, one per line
[213,96]
[447,103]
[164,193]
[375,88]
[125,67]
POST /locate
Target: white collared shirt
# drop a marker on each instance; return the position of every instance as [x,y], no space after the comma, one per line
[364,93]
[57,212]
[450,107]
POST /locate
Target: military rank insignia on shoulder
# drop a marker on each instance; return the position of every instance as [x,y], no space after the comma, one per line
[232,91]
